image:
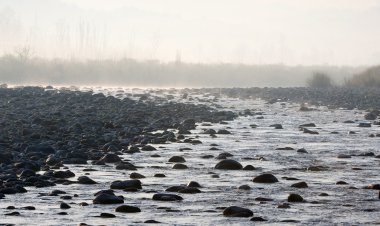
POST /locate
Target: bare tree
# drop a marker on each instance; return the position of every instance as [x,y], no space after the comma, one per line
[319,80]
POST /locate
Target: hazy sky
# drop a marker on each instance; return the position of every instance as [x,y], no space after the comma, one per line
[292,32]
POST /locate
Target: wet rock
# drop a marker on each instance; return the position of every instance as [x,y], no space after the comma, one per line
[235,211]
[373,186]
[341,183]
[372,115]
[244,187]
[175,188]
[295,198]
[13,214]
[364,124]
[302,150]
[285,149]
[317,168]
[265,178]
[308,131]
[107,215]
[284,206]
[127,209]
[193,184]
[148,148]
[307,125]
[261,199]
[257,219]
[228,164]
[126,184]
[190,190]
[300,185]
[63,174]
[249,167]
[166,197]
[276,126]
[177,159]
[209,131]
[125,166]
[86,180]
[29,208]
[136,176]
[105,198]
[27,173]
[151,222]
[159,175]
[64,206]
[343,156]
[110,158]
[223,131]
[179,166]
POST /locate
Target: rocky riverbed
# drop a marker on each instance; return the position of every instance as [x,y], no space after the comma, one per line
[187,157]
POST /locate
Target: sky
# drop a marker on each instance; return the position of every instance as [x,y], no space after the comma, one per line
[290,32]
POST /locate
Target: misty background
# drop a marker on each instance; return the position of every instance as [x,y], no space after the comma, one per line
[186,43]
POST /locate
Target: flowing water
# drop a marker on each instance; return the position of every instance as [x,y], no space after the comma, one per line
[345,204]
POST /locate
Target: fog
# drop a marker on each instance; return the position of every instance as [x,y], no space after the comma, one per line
[186,43]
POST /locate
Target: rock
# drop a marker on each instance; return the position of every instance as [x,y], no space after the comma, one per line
[152,222]
[265,178]
[29,208]
[63,174]
[295,198]
[285,149]
[177,159]
[364,124]
[341,182]
[249,167]
[148,148]
[284,206]
[175,188]
[166,197]
[244,187]
[110,158]
[64,206]
[136,176]
[105,198]
[193,184]
[125,166]
[159,175]
[127,209]
[371,115]
[257,219]
[126,184]
[276,126]
[307,125]
[343,156]
[8,191]
[235,211]
[189,190]
[179,166]
[228,164]
[107,215]
[299,185]
[85,180]
[302,150]
[13,214]
[261,199]
[223,131]
[308,131]
[27,173]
